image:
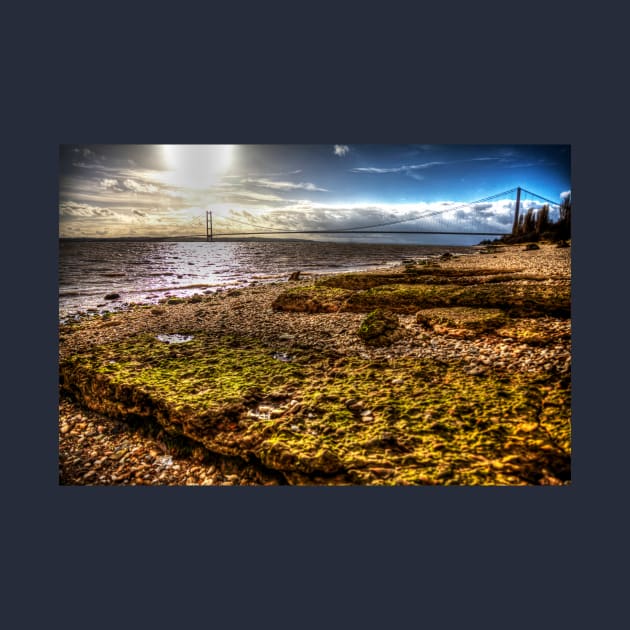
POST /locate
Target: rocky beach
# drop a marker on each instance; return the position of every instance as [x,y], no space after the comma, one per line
[452,371]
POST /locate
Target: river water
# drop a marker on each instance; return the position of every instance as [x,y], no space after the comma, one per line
[149,271]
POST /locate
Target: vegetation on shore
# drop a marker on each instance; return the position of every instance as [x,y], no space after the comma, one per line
[535,225]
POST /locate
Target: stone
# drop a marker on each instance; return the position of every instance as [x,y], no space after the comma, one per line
[476,371]
[378,328]
[112,296]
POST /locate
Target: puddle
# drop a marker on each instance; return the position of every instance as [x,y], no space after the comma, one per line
[176,338]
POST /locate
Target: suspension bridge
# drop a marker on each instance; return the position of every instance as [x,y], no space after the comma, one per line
[496,215]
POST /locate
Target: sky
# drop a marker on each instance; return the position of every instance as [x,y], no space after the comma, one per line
[165,190]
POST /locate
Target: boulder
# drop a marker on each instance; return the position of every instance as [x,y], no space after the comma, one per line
[378,328]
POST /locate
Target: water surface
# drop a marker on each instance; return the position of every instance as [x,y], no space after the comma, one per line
[149,271]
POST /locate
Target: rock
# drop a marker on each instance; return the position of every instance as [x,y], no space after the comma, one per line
[531,246]
[378,328]
[476,371]
[294,276]
[112,296]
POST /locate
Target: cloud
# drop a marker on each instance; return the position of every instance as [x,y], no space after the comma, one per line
[435,216]
[248,197]
[109,184]
[134,186]
[267,183]
[409,169]
[255,175]
[396,169]
[341,150]
[565,194]
[127,185]
[74,209]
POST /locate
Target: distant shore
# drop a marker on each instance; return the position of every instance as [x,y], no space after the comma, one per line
[147,436]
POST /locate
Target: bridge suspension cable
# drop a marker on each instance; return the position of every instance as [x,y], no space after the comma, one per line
[366,228]
[360,228]
[434,212]
[531,194]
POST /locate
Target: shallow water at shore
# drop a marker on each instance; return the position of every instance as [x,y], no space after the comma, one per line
[147,272]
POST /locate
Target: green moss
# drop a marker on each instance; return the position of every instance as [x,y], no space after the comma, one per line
[335,420]
[517,299]
[533,331]
[378,328]
[312,299]
[461,320]
[518,296]
[416,275]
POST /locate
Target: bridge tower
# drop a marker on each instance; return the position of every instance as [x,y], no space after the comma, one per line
[516,211]
[208,225]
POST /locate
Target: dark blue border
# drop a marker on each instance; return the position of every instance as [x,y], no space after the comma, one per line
[293,557]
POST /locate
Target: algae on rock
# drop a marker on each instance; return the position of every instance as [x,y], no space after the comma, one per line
[335,419]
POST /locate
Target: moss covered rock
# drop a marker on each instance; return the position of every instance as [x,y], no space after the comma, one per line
[461,321]
[378,328]
[311,299]
[528,298]
[320,418]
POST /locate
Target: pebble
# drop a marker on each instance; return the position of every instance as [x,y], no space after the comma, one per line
[475,371]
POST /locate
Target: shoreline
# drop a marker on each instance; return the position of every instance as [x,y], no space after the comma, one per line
[143,291]
[95,449]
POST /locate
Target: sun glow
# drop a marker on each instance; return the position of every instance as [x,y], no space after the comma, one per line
[196,165]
